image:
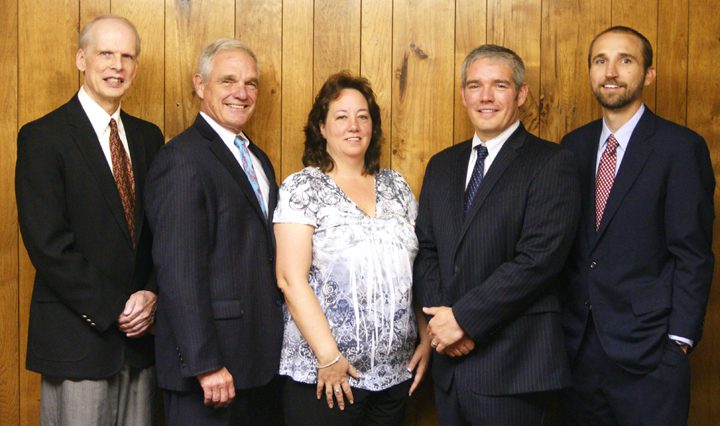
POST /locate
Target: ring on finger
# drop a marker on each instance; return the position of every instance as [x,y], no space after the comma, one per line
[338,390]
[433,344]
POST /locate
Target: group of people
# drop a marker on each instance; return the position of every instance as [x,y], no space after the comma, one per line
[527,271]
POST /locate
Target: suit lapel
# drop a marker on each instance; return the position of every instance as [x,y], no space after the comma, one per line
[638,151]
[86,140]
[505,157]
[228,161]
[457,192]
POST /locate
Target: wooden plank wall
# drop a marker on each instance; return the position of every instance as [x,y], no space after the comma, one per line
[410,49]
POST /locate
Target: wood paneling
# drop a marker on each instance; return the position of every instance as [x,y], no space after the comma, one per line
[259,25]
[671,60]
[423,89]
[146,98]
[10,364]
[516,24]
[703,116]
[297,80]
[376,63]
[568,27]
[410,50]
[189,26]
[470,32]
[47,78]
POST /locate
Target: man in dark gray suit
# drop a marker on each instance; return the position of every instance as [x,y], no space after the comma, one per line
[496,219]
[210,198]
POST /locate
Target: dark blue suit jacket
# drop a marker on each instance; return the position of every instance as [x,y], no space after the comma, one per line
[647,272]
[218,303]
[497,266]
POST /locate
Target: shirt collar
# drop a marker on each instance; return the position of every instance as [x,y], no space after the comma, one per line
[226,135]
[99,118]
[624,133]
[497,142]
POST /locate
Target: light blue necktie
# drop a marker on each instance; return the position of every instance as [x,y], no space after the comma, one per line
[247,166]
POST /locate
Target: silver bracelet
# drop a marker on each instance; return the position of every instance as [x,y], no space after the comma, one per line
[331,363]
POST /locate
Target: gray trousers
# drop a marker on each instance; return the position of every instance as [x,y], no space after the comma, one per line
[126,398]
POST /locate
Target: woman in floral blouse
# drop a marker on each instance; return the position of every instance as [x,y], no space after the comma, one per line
[346,245]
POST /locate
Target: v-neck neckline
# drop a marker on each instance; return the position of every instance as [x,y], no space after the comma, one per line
[351,201]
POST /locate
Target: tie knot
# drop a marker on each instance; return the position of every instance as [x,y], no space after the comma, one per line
[113,125]
[239,141]
[612,143]
[482,152]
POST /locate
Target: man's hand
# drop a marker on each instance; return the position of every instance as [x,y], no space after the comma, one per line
[218,388]
[139,314]
[442,328]
[460,348]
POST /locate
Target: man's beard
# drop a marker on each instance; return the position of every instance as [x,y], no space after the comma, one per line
[618,102]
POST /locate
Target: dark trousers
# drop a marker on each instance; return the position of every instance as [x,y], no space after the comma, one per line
[251,407]
[472,409]
[386,407]
[605,394]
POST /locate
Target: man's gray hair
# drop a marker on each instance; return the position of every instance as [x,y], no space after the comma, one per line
[501,53]
[204,66]
[85,36]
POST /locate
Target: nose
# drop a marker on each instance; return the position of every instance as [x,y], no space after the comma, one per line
[611,70]
[241,91]
[116,62]
[354,124]
[486,94]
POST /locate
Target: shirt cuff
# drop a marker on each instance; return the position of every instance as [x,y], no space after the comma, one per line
[681,340]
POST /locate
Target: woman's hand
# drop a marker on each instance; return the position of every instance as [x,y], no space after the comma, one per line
[334,380]
[419,362]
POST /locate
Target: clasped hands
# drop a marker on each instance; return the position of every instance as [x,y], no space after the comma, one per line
[139,314]
[446,336]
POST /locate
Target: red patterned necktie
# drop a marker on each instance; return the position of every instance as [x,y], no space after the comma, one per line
[605,178]
[123,172]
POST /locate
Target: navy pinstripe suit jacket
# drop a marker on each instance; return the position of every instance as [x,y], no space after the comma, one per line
[218,303]
[497,265]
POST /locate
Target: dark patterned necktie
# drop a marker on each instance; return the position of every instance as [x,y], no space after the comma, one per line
[247,166]
[605,178]
[476,178]
[123,172]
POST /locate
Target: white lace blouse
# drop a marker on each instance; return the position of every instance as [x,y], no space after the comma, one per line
[361,273]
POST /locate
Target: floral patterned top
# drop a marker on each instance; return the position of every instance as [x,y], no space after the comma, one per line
[361,273]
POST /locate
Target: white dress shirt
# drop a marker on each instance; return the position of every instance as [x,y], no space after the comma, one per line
[228,138]
[493,146]
[100,121]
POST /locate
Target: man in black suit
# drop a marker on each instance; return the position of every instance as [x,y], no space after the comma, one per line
[211,194]
[79,180]
[496,220]
[640,272]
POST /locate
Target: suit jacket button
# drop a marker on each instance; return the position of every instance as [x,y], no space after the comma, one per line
[588,304]
[593,264]
[457,269]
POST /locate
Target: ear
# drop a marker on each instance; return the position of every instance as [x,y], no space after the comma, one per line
[80,60]
[462,96]
[650,76]
[199,86]
[522,94]
[322,130]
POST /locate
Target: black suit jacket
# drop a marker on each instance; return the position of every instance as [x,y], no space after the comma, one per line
[496,266]
[219,305]
[73,226]
[647,272]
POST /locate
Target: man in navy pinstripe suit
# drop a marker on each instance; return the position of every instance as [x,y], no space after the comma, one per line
[497,216]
